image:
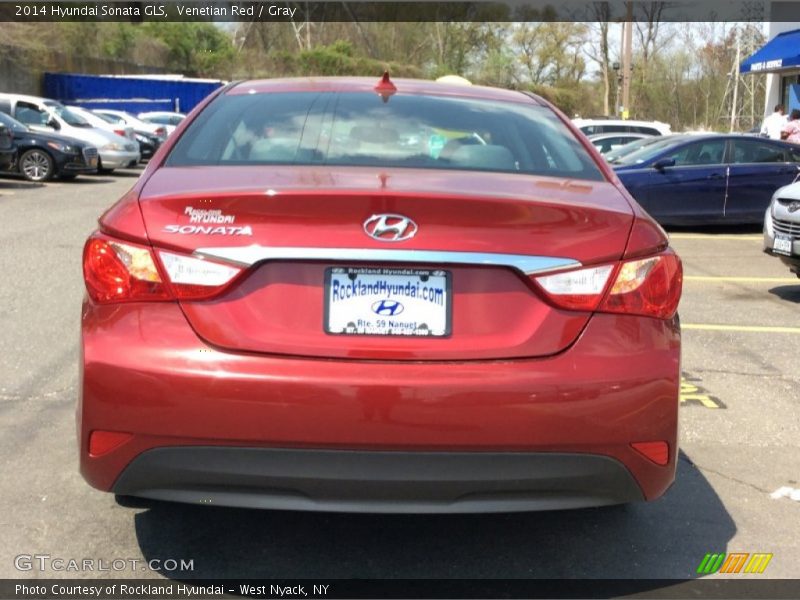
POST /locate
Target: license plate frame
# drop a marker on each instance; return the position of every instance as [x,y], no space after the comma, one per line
[367,321]
[782,244]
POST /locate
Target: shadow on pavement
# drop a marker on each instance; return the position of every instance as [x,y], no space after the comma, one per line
[664,539]
[127,173]
[716,229]
[13,182]
[91,178]
[790,293]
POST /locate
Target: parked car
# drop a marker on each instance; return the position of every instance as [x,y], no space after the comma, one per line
[606,142]
[49,116]
[782,227]
[101,123]
[593,126]
[139,126]
[613,155]
[8,150]
[296,307]
[708,179]
[170,120]
[148,143]
[43,156]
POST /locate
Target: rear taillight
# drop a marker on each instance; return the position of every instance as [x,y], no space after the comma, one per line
[196,278]
[577,290]
[649,286]
[116,271]
[119,272]
[121,132]
[161,132]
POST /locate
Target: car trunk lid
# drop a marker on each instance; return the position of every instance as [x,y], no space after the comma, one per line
[302,232]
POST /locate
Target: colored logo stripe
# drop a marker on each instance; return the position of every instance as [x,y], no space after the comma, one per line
[711,563]
[758,563]
[734,563]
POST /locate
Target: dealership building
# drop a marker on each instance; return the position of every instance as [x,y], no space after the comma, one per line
[779,58]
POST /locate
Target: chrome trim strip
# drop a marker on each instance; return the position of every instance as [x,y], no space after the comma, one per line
[527,265]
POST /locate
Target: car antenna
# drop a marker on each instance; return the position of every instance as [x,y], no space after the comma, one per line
[385,87]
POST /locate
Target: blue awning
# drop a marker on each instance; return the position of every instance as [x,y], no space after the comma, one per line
[780,53]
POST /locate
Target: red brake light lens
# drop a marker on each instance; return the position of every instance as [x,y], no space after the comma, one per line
[649,287]
[120,272]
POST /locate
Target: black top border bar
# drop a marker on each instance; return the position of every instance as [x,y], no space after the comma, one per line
[391,11]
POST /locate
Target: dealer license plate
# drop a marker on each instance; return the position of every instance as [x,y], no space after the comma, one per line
[391,302]
[782,245]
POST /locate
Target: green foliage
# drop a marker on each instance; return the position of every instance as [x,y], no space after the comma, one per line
[680,72]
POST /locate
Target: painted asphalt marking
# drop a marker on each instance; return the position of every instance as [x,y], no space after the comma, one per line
[723,279]
[739,328]
[693,394]
[786,492]
[709,236]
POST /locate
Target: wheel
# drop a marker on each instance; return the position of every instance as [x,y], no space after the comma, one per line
[36,165]
[102,170]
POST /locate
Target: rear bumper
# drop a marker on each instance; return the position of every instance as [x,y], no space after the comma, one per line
[145,372]
[359,481]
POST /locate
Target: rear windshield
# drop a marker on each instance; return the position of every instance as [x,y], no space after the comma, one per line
[359,129]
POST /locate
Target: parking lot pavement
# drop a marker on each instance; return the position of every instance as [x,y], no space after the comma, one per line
[739,429]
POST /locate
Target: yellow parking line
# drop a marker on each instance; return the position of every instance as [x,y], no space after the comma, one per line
[711,236]
[740,328]
[742,279]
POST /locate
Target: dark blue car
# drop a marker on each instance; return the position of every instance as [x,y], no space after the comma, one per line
[708,179]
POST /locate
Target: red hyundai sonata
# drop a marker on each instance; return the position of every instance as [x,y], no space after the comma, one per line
[385,296]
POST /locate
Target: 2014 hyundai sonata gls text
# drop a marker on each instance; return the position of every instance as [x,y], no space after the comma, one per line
[377,295]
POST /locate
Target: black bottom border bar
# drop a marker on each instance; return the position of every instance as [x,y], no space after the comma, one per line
[157,589]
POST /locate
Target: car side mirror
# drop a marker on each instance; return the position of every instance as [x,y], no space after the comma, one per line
[53,124]
[663,163]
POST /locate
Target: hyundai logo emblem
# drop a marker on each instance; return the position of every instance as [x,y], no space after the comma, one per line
[390,228]
[387,308]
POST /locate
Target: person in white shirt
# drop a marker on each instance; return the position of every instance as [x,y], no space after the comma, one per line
[774,124]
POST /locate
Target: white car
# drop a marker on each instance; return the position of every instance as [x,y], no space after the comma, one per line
[48,116]
[593,126]
[606,142]
[170,120]
[782,227]
[100,123]
[139,126]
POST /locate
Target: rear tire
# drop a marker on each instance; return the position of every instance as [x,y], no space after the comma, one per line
[36,165]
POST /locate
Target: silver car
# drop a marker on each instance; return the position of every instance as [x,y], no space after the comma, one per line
[782,227]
